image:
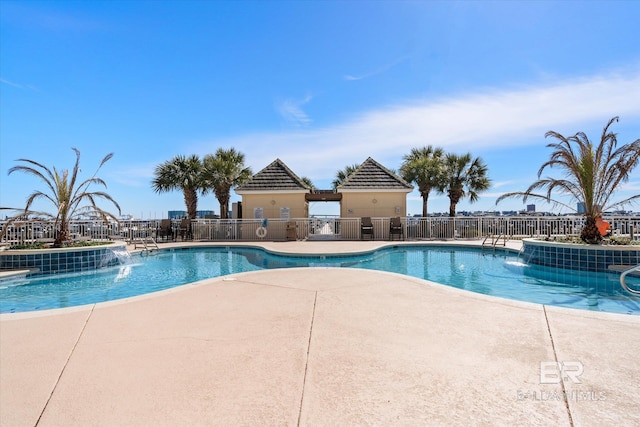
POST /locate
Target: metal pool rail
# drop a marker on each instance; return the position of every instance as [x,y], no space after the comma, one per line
[624,283]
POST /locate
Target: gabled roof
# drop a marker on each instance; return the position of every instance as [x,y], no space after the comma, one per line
[371,175]
[275,177]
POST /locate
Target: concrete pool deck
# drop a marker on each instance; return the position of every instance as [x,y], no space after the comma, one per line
[319,346]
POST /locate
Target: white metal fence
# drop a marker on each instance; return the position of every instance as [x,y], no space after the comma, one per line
[329,228]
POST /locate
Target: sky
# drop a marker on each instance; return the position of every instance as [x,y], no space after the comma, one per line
[317,84]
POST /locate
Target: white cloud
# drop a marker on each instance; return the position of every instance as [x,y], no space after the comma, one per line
[630,186]
[492,119]
[291,110]
[16,85]
[499,184]
[377,71]
[7,82]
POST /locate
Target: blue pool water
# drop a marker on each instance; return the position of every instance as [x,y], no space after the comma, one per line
[500,274]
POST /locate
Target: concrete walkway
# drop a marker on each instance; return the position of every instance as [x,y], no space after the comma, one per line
[315,347]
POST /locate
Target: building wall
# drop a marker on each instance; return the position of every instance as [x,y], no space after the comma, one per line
[373,204]
[353,204]
[272,204]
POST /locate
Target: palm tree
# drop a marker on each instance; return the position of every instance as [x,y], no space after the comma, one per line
[423,166]
[343,174]
[223,171]
[592,175]
[181,173]
[69,198]
[307,181]
[463,176]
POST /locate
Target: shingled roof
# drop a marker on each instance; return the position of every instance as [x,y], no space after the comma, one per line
[275,177]
[371,175]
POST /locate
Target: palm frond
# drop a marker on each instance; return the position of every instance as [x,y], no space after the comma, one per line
[65,195]
[625,202]
[592,173]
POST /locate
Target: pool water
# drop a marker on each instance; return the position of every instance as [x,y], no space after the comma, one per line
[500,274]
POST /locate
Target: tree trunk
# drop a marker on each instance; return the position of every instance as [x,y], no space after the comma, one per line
[425,198]
[61,237]
[454,198]
[191,200]
[223,194]
[224,205]
[590,233]
[224,210]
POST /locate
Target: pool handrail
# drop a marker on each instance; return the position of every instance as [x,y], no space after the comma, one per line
[624,283]
[494,242]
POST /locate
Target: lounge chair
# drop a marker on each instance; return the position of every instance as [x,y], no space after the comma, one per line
[395,227]
[165,231]
[185,229]
[366,227]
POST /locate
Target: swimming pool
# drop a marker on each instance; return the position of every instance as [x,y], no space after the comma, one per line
[500,273]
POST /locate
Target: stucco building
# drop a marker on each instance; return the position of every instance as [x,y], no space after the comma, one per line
[274,192]
[371,190]
[374,191]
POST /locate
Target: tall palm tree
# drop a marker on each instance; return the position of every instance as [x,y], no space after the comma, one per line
[592,174]
[222,171]
[343,174]
[463,176]
[69,198]
[424,167]
[181,173]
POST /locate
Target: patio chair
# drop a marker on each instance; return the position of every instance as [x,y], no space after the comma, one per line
[185,229]
[165,231]
[366,227]
[395,227]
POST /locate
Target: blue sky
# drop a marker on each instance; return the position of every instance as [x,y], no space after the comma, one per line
[318,84]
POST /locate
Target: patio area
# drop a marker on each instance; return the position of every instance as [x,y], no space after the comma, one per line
[322,346]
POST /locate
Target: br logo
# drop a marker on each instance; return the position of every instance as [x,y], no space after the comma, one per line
[555,372]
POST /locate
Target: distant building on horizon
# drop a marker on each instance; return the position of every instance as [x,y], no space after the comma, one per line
[531,208]
[183,214]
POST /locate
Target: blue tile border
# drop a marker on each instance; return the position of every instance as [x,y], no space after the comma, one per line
[579,257]
[62,260]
